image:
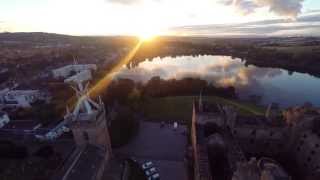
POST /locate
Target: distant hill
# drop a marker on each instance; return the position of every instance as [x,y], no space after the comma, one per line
[36,37]
[27,38]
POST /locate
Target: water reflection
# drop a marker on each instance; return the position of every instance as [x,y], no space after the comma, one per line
[273,85]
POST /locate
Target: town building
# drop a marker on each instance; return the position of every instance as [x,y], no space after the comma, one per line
[4,119]
[20,98]
[82,76]
[227,145]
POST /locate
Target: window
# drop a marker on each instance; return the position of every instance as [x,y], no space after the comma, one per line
[280,145]
[86,136]
[253,132]
[304,136]
[313,152]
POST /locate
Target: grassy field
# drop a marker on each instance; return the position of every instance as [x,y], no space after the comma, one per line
[179,108]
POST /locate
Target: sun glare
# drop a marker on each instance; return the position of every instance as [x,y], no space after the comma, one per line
[148,33]
[147,36]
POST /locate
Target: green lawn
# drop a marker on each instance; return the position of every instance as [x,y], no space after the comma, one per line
[180,108]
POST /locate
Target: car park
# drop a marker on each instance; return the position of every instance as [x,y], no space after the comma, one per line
[147,165]
[155,176]
[150,171]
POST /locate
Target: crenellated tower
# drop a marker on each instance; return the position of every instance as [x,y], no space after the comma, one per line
[88,121]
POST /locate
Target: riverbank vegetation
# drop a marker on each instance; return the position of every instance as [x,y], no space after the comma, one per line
[172,100]
[299,57]
[129,91]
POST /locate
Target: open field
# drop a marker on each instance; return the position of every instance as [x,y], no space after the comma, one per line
[180,108]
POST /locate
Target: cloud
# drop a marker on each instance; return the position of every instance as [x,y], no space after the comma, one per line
[288,8]
[303,26]
[314,11]
[124,2]
[243,6]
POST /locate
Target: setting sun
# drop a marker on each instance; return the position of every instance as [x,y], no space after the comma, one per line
[147,35]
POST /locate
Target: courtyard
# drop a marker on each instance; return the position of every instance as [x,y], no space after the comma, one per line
[164,146]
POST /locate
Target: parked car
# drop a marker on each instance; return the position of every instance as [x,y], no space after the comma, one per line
[147,165]
[155,176]
[150,171]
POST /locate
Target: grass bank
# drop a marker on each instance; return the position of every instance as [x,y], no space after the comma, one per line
[179,108]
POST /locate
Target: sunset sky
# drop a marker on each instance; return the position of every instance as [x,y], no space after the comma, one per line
[169,17]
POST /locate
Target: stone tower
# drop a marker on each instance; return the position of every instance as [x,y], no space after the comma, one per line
[88,122]
[200,103]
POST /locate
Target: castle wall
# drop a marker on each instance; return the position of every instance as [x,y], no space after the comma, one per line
[307,151]
[200,154]
[270,141]
[95,133]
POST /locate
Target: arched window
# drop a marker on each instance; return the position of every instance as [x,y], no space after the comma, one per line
[313,152]
[254,132]
[85,136]
[308,159]
[304,136]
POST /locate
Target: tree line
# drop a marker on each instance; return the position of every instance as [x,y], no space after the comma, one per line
[124,90]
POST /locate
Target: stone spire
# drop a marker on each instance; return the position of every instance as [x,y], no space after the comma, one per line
[200,102]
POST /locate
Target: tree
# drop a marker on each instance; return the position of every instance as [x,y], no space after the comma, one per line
[119,90]
[123,127]
[154,87]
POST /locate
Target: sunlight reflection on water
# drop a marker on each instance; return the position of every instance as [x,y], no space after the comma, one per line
[272,84]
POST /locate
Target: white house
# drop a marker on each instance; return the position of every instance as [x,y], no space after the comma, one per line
[79,77]
[68,70]
[4,119]
[20,98]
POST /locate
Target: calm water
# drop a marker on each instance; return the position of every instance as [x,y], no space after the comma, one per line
[271,84]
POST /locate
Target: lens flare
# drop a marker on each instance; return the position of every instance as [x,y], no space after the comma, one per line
[106,80]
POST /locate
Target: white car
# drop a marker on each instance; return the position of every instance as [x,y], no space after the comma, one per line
[147,165]
[154,177]
[150,171]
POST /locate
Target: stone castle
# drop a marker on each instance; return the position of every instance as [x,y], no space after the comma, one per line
[227,145]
